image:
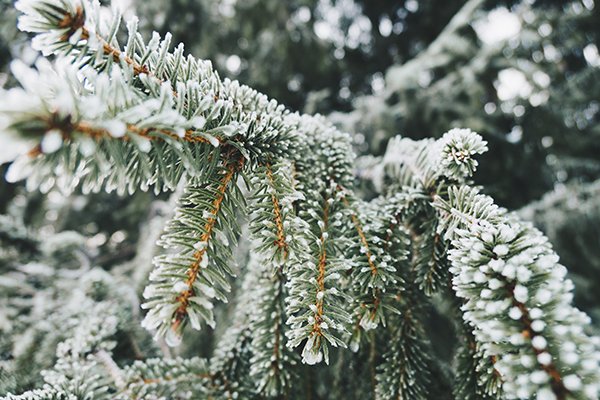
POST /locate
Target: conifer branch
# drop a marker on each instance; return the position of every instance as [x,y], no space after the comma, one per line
[207,233]
[281,240]
[182,283]
[316,328]
[74,24]
[230,364]
[70,130]
[512,268]
[272,361]
[361,235]
[167,377]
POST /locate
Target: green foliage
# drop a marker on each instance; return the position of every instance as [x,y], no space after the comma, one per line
[326,267]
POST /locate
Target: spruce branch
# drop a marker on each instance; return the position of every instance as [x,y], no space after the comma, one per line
[375,286]
[315,304]
[405,371]
[363,239]
[166,377]
[193,82]
[516,277]
[281,239]
[466,217]
[272,361]
[274,223]
[279,243]
[408,366]
[183,282]
[230,363]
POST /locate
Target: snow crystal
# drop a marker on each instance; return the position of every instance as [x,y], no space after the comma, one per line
[507,233]
[538,377]
[521,293]
[204,261]
[545,394]
[52,141]
[311,354]
[87,146]
[194,320]
[516,339]
[180,286]
[515,313]
[526,361]
[487,237]
[495,284]
[539,342]
[144,144]
[572,382]
[200,245]
[496,265]
[173,338]
[198,122]
[509,271]
[367,323]
[543,296]
[479,277]
[538,325]
[115,128]
[501,250]
[544,358]
[570,358]
[523,274]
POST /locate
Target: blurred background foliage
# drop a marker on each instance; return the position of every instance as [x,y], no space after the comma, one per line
[525,74]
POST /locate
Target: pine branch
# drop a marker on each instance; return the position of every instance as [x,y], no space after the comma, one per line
[375,286]
[183,282]
[169,378]
[522,299]
[272,361]
[281,240]
[274,223]
[405,371]
[314,303]
[230,364]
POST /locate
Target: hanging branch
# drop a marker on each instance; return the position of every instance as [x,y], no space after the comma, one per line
[521,292]
[183,282]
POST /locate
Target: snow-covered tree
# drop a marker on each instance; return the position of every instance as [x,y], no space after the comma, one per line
[335,294]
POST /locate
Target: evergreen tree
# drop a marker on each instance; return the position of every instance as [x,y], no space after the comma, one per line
[339,294]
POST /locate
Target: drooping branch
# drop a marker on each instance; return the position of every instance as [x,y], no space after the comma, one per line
[281,239]
[202,245]
[183,282]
